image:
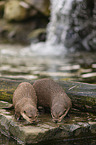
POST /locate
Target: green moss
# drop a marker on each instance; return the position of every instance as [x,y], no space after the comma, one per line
[5,96]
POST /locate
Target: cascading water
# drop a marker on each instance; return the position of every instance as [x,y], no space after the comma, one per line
[72,24]
[70,28]
[56,28]
[60,20]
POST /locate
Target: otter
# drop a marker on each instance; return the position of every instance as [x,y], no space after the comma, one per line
[50,94]
[25,102]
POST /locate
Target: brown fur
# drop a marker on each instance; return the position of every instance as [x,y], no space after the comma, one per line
[50,94]
[25,102]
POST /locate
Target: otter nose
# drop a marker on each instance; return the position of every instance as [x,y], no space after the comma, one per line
[34,122]
[55,120]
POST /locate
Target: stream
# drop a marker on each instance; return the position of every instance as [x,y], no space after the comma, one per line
[17,62]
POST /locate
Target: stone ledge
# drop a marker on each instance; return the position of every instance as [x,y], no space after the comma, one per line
[75,126]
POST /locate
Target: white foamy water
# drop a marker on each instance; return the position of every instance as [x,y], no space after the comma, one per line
[43,49]
[60,20]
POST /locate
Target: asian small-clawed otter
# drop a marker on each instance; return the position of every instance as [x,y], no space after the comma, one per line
[50,94]
[25,102]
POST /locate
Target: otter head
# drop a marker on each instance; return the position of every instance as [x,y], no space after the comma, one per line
[58,112]
[30,113]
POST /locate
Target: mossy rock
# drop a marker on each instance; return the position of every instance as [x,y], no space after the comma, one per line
[2,3]
[41,5]
[14,11]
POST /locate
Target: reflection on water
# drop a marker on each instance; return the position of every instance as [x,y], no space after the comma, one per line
[75,67]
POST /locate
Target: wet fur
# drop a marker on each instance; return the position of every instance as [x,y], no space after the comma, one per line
[52,95]
[25,102]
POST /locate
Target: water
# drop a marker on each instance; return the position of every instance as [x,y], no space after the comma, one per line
[60,21]
[21,63]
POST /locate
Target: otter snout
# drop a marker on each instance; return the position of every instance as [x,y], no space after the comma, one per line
[56,120]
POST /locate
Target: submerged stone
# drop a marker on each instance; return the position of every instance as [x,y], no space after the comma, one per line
[45,129]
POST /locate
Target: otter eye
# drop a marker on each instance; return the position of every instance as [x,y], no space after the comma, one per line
[53,115]
[29,117]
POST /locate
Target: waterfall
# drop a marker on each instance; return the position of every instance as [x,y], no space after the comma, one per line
[72,24]
[56,29]
[70,28]
[60,20]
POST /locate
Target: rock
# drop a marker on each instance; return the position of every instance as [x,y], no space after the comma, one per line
[40,5]
[77,126]
[16,32]
[37,34]
[1,8]
[32,12]
[15,10]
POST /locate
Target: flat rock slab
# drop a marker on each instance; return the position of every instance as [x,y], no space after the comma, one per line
[79,124]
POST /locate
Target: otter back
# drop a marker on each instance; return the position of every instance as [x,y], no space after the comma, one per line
[50,94]
[25,102]
[24,90]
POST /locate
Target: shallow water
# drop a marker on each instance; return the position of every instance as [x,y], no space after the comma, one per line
[74,66]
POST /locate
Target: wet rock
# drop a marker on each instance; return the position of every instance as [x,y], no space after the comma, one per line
[92,41]
[40,5]
[14,10]
[37,34]
[16,32]
[2,3]
[45,129]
